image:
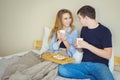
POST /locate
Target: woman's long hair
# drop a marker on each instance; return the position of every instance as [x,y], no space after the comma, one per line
[58,23]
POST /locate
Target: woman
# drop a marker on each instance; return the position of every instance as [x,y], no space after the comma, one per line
[45,70]
[63,41]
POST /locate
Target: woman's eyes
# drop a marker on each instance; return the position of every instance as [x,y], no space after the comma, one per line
[67,18]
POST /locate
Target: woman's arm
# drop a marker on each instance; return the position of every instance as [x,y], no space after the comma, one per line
[71,48]
[54,44]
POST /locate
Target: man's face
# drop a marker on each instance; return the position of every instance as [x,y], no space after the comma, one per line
[81,20]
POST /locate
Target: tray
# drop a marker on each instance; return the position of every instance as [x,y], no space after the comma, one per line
[61,60]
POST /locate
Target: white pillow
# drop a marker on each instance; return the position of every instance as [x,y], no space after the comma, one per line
[111,63]
[45,45]
[78,56]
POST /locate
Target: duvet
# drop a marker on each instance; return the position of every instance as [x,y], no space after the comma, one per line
[31,67]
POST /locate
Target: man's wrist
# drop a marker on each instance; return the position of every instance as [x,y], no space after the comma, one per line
[89,46]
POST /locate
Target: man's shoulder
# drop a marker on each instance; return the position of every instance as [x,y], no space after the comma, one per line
[104,28]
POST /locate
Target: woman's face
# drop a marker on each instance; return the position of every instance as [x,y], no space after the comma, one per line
[66,19]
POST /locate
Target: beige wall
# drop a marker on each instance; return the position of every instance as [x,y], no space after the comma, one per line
[23,21]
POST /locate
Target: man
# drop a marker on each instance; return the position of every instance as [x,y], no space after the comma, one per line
[97,49]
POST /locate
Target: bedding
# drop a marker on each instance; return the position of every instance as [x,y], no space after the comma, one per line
[29,67]
[45,45]
[24,66]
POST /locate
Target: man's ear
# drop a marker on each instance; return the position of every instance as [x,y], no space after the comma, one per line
[86,17]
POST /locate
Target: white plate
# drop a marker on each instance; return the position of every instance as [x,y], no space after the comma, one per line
[59,57]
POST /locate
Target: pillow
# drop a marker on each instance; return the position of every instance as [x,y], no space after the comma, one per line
[111,63]
[45,45]
[78,56]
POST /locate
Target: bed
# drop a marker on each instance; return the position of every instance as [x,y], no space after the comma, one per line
[30,60]
[29,57]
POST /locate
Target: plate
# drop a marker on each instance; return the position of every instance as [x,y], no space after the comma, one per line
[59,57]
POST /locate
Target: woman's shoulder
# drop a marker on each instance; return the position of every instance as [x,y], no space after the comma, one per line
[75,31]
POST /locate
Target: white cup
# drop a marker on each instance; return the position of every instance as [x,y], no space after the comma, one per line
[79,39]
[62,31]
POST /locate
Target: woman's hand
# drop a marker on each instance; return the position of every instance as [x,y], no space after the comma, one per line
[58,35]
[75,43]
[63,37]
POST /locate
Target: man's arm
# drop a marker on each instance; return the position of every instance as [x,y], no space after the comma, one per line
[105,53]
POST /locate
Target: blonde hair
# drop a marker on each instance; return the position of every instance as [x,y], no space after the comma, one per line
[58,22]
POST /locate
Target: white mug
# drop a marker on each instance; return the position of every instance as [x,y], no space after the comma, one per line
[79,39]
[62,31]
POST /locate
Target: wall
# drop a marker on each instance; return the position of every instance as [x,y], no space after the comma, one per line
[23,21]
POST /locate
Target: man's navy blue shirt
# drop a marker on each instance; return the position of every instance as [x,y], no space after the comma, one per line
[99,37]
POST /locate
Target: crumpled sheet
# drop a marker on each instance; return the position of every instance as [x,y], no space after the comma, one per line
[44,70]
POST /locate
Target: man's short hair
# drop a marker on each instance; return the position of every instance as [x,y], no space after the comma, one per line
[87,11]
